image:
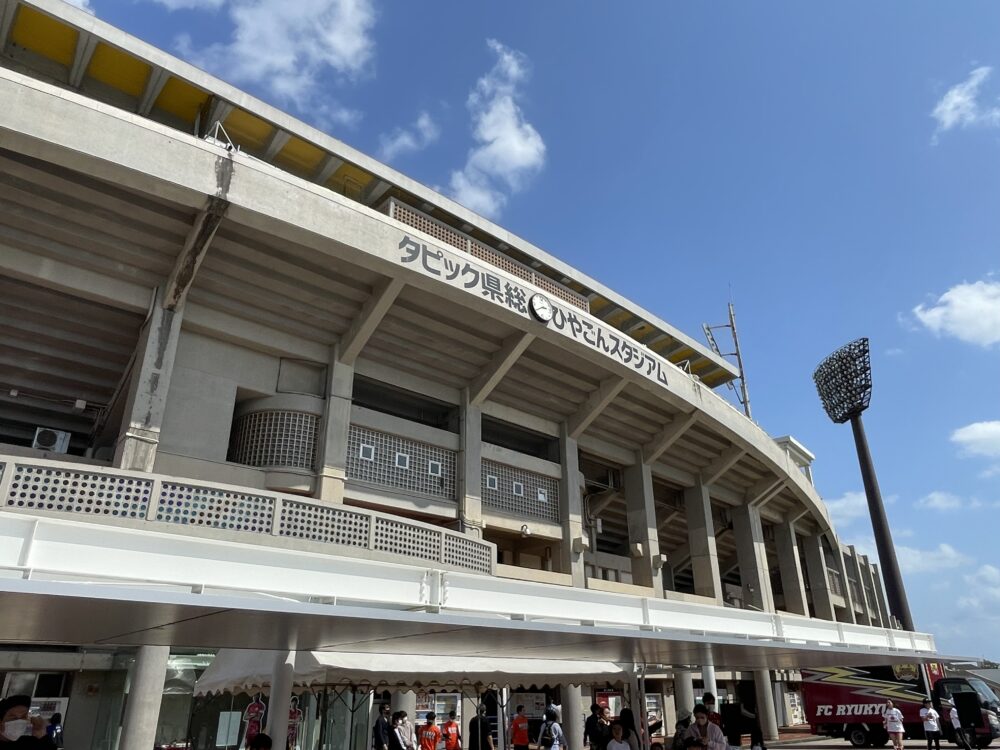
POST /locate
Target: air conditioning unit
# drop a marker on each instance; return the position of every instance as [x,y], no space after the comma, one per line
[54,441]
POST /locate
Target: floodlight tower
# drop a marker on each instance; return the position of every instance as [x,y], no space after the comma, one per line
[844,382]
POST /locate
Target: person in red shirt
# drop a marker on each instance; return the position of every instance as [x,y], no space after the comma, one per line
[708,700]
[429,733]
[519,730]
[452,733]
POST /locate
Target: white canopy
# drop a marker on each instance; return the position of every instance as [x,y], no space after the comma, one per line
[237,671]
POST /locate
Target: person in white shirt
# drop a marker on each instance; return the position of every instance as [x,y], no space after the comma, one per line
[932,725]
[960,738]
[703,734]
[617,733]
[893,720]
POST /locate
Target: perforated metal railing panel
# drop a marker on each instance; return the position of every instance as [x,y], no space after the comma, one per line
[72,491]
[320,523]
[519,492]
[219,509]
[427,225]
[393,461]
[278,438]
[467,553]
[407,539]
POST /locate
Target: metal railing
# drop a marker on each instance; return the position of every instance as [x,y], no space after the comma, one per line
[160,503]
[453,237]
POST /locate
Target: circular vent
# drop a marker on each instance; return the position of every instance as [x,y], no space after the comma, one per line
[47,439]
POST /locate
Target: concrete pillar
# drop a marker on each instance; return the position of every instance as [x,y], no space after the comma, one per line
[279,702]
[470,466]
[708,680]
[469,708]
[701,542]
[149,384]
[765,704]
[332,452]
[752,556]
[790,569]
[845,614]
[683,693]
[142,708]
[865,618]
[571,508]
[572,715]
[819,583]
[643,537]
[406,700]
[880,600]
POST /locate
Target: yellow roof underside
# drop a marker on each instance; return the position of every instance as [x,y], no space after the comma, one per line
[45,35]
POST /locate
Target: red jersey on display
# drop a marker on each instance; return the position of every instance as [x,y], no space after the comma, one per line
[429,736]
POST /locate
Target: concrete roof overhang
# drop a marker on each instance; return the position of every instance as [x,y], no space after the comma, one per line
[79,614]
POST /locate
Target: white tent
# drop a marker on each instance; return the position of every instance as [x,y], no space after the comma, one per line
[237,671]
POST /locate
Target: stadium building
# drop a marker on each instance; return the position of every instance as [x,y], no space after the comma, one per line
[260,391]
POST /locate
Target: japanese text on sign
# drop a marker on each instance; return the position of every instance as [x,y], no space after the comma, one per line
[461,273]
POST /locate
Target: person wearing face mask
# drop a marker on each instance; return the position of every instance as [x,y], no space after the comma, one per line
[703,734]
[17,730]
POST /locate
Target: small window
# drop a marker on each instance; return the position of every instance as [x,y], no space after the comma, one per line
[367,452]
[434,468]
[542,498]
[491,482]
[518,489]
[403,461]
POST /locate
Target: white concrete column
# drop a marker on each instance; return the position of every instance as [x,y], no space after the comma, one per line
[142,707]
[406,700]
[845,614]
[683,693]
[701,542]
[752,556]
[866,618]
[643,536]
[469,708]
[765,704]
[790,569]
[572,716]
[280,699]
[470,466]
[708,680]
[571,508]
[332,450]
[819,582]
[880,600]
[149,384]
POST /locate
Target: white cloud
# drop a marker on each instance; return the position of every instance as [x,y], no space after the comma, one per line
[510,151]
[938,500]
[983,593]
[943,557]
[979,439]
[192,4]
[894,352]
[969,312]
[845,509]
[82,5]
[290,49]
[960,106]
[419,136]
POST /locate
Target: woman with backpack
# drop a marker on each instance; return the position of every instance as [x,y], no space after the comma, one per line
[551,736]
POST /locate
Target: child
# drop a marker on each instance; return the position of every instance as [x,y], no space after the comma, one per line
[932,725]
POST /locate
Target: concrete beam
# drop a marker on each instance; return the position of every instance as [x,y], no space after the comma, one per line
[751,552]
[819,582]
[218,111]
[723,463]
[790,569]
[504,359]
[764,491]
[596,402]
[196,245]
[669,519]
[606,498]
[642,533]
[6,21]
[668,436]
[374,190]
[275,143]
[571,509]
[372,312]
[326,169]
[154,85]
[701,539]
[86,43]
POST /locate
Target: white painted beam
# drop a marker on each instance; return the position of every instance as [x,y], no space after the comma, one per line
[372,312]
[86,43]
[327,167]
[274,145]
[504,359]
[723,463]
[668,436]
[596,402]
[189,260]
[375,190]
[218,111]
[154,85]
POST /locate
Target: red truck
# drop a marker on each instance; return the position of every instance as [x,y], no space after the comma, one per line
[849,702]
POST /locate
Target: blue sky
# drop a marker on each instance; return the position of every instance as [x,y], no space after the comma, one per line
[831,166]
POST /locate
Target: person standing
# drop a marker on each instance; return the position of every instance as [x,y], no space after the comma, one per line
[518,731]
[551,737]
[382,728]
[396,732]
[932,725]
[680,729]
[18,728]
[631,733]
[961,739]
[590,725]
[892,719]
[708,701]
[452,732]
[429,735]
[407,732]
[480,734]
[617,734]
[703,733]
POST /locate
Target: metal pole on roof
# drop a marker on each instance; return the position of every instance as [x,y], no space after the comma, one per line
[844,382]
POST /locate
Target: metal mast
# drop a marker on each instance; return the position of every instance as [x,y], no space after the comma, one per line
[743,394]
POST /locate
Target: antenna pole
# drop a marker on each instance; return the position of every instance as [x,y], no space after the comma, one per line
[745,392]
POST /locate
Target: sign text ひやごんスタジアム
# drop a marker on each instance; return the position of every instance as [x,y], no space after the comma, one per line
[474,278]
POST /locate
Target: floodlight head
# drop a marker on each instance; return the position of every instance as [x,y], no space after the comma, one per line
[844,381]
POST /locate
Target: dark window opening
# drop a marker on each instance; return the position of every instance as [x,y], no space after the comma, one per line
[520,439]
[387,399]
